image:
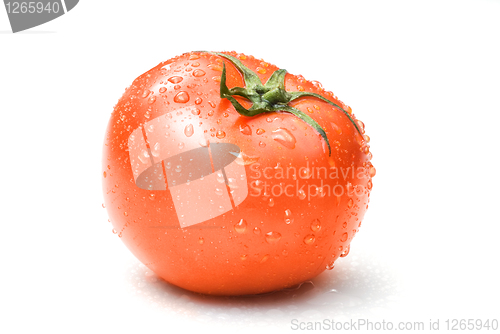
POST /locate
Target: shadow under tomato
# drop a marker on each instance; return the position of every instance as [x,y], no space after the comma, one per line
[357,287]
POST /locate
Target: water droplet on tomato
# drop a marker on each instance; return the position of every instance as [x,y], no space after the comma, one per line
[245,129]
[360,140]
[198,100]
[189,130]
[336,128]
[273,237]
[373,171]
[104,174]
[270,202]
[165,68]
[220,177]
[181,145]
[175,80]
[369,185]
[344,237]
[316,225]
[215,67]
[114,231]
[241,226]
[284,137]
[288,216]
[350,203]
[346,251]
[201,241]
[219,191]
[304,173]
[262,144]
[152,99]
[330,266]
[309,239]
[264,258]
[243,159]
[257,185]
[220,134]
[361,126]
[260,131]
[163,90]
[317,84]
[198,73]
[155,151]
[301,194]
[143,157]
[181,97]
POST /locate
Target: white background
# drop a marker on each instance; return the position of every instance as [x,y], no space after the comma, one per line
[424,76]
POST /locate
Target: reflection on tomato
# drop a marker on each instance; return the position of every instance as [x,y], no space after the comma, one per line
[228,191]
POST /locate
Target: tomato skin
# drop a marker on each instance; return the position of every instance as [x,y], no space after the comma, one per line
[283,240]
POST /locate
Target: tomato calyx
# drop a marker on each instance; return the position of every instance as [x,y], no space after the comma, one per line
[271,96]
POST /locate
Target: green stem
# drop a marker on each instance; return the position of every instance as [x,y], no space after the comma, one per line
[271,96]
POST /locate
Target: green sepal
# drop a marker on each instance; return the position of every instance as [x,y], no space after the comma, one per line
[296,95]
[311,122]
[252,81]
[227,94]
[271,96]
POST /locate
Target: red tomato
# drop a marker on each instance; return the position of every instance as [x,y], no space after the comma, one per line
[229,191]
